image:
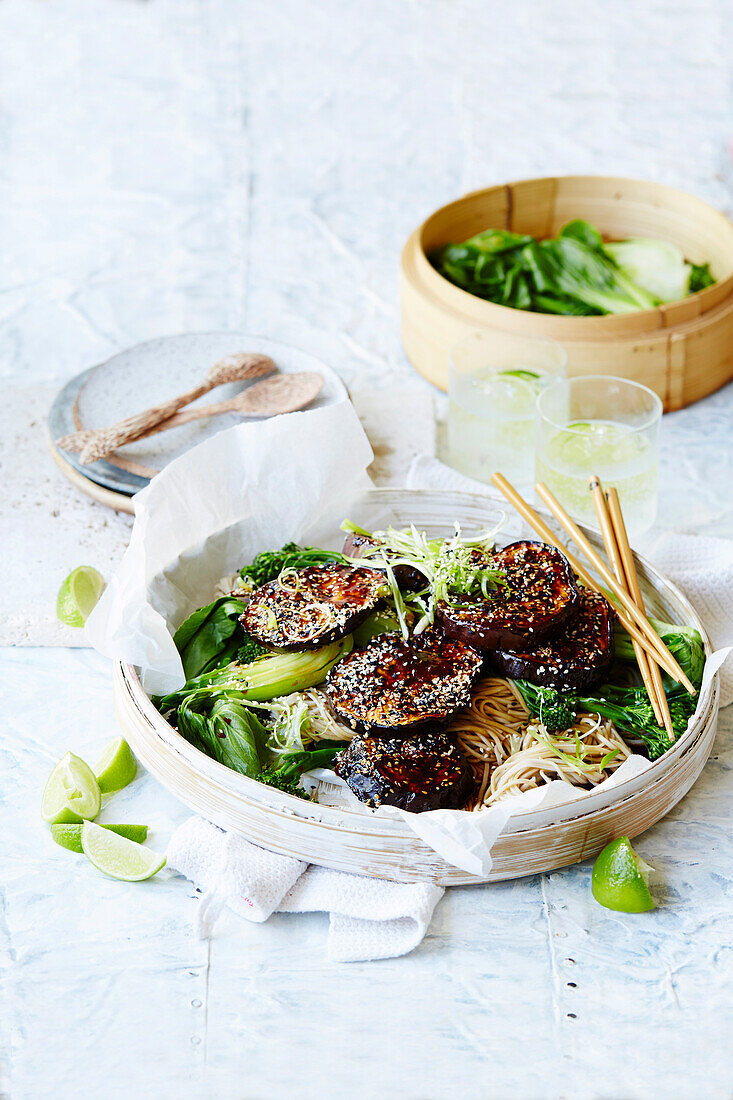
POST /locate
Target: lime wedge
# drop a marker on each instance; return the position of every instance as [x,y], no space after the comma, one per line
[585,442]
[117,856]
[69,836]
[71,793]
[525,375]
[620,878]
[116,766]
[78,595]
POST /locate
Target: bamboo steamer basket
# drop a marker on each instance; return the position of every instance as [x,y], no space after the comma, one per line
[682,350]
[385,847]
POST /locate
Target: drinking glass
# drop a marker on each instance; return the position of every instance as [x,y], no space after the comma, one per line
[596,424]
[493,383]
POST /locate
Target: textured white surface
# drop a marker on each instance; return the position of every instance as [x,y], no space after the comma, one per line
[205,164]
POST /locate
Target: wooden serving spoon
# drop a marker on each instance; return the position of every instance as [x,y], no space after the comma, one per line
[95,443]
[270,397]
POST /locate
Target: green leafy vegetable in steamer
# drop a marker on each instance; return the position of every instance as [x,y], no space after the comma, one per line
[575,274]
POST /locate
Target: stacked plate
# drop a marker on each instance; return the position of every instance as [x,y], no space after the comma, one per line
[144,376]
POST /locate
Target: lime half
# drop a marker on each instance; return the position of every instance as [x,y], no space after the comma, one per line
[69,836]
[71,793]
[116,766]
[78,595]
[118,857]
[620,878]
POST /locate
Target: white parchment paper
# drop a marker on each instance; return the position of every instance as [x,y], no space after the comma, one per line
[254,487]
[251,488]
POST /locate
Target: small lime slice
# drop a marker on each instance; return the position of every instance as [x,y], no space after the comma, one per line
[118,857]
[525,375]
[69,836]
[71,793]
[78,595]
[620,878]
[116,766]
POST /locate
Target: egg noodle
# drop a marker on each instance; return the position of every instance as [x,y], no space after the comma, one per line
[511,752]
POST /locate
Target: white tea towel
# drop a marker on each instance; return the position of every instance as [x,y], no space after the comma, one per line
[230,871]
[369,918]
[701,566]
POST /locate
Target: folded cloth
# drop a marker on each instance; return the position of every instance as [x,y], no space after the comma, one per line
[701,566]
[369,918]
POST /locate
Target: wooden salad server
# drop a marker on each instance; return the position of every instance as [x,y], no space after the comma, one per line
[95,443]
[283,394]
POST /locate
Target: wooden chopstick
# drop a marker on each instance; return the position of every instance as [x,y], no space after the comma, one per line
[610,539]
[538,524]
[632,582]
[662,654]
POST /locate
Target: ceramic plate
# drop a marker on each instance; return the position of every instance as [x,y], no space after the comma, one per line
[152,372]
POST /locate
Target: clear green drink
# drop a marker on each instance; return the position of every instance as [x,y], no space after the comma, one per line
[493,389]
[620,445]
[491,417]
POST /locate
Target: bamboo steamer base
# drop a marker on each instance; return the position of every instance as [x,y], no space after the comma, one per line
[682,350]
[383,848]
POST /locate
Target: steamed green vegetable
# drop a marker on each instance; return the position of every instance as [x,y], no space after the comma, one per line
[238,736]
[271,563]
[700,277]
[267,677]
[285,772]
[628,708]
[683,642]
[210,636]
[226,730]
[657,266]
[575,273]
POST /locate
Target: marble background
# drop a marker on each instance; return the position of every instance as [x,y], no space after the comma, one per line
[172,165]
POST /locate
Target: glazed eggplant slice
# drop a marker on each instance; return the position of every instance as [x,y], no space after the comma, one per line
[396,687]
[312,607]
[539,595]
[578,657]
[408,577]
[426,772]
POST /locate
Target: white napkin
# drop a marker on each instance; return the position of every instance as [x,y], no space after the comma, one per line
[701,566]
[369,918]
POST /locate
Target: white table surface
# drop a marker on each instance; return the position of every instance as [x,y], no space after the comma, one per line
[207,164]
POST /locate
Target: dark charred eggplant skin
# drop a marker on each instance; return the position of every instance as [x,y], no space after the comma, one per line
[408,578]
[426,772]
[331,601]
[396,687]
[540,595]
[576,659]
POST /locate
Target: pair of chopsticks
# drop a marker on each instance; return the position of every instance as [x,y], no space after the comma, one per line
[616,540]
[631,614]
